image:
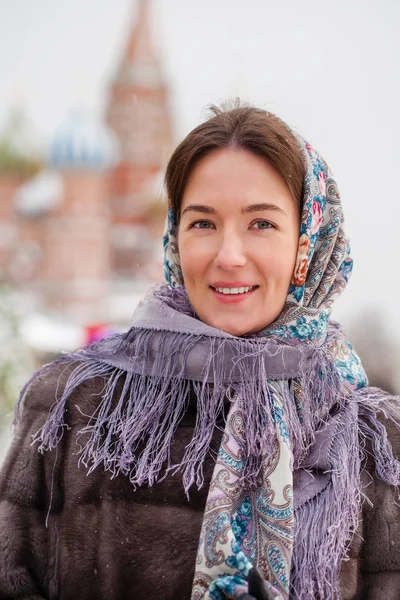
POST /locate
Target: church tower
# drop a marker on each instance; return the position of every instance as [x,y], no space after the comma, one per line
[138,113]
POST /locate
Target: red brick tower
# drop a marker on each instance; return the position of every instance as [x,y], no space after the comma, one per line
[139,115]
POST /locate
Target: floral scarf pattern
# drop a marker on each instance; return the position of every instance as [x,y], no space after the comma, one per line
[241,527]
[246,527]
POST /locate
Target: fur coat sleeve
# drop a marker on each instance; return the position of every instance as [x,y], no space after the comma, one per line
[25,490]
[372,570]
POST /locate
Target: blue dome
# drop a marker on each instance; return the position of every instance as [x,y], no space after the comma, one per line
[83,143]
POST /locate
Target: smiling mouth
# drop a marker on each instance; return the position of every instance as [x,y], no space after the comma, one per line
[234,290]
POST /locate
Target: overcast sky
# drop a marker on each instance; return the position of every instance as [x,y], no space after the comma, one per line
[330,69]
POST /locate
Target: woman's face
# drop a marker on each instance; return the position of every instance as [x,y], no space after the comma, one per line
[237,239]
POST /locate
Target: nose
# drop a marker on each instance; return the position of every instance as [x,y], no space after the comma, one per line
[230,252]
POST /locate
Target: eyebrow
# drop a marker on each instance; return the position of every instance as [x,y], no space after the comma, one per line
[209,210]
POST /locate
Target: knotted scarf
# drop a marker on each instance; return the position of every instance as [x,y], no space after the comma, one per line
[300,414]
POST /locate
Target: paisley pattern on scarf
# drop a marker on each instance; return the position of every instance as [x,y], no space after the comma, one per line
[244,528]
[323,263]
[347,362]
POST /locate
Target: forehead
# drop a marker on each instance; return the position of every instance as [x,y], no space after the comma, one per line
[229,178]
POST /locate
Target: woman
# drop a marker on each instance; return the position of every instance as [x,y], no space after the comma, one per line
[226,446]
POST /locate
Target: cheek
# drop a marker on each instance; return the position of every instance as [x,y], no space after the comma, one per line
[193,258]
[278,264]
[196,249]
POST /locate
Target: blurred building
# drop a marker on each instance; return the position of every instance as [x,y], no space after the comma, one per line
[138,114]
[85,220]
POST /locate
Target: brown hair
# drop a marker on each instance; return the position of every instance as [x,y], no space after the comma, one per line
[242,128]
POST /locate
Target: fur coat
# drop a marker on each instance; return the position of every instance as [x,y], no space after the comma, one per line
[66,535]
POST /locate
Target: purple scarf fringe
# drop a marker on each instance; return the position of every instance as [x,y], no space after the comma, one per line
[325,525]
[131,432]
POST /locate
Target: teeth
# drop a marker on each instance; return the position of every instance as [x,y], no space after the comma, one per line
[240,290]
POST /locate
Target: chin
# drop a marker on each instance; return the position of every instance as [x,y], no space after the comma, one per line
[234,328]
